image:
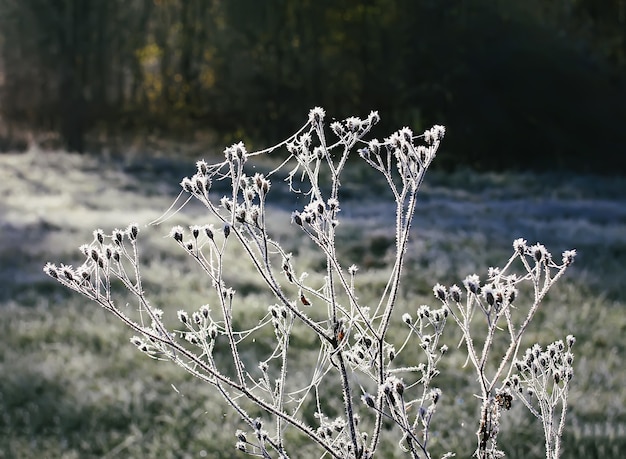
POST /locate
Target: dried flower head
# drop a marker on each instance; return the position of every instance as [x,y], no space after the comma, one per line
[177,233]
[51,270]
[99,235]
[316,115]
[440,292]
[472,284]
[183,317]
[203,167]
[406,318]
[520,245]
[456,293]
[568,257]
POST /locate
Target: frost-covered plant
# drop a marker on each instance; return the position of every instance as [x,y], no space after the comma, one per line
[497,303]
[358,384]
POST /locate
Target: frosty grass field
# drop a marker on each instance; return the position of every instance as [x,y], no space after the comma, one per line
[72,386]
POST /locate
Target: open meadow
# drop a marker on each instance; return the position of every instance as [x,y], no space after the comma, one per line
[72,385]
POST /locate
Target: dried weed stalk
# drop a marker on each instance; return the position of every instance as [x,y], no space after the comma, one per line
[356,365]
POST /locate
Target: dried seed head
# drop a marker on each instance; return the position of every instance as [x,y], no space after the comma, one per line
[208,231]
[240,151]
[257,424]
[177,233]
[455,293]
[203,167]
[183,317]
[225,203]
[316,115]
[296,218]
[438,131]
[320,207]
[387,389]
[305,140]
[187,185]
[201,184]
[353,124]
[472,284]
[552,350]
[240,214]
[118,236]
[559,345]
[85,249]
[406,318]
[99,235]
[226,230]
[197,318]
[338,129]
[536,350]
[434,134]
[195,231]
[423,311]
[333,205]
[406,134]
[373,117]
[440,292]
[51,270]
[539,252]
[68,272]
[568,257]
[489,293]
[399,387]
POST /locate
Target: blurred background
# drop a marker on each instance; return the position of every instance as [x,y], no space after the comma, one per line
[538,84]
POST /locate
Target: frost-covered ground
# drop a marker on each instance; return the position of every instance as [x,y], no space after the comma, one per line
[51,201]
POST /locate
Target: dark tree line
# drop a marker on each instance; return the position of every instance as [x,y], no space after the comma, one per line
[516,82]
